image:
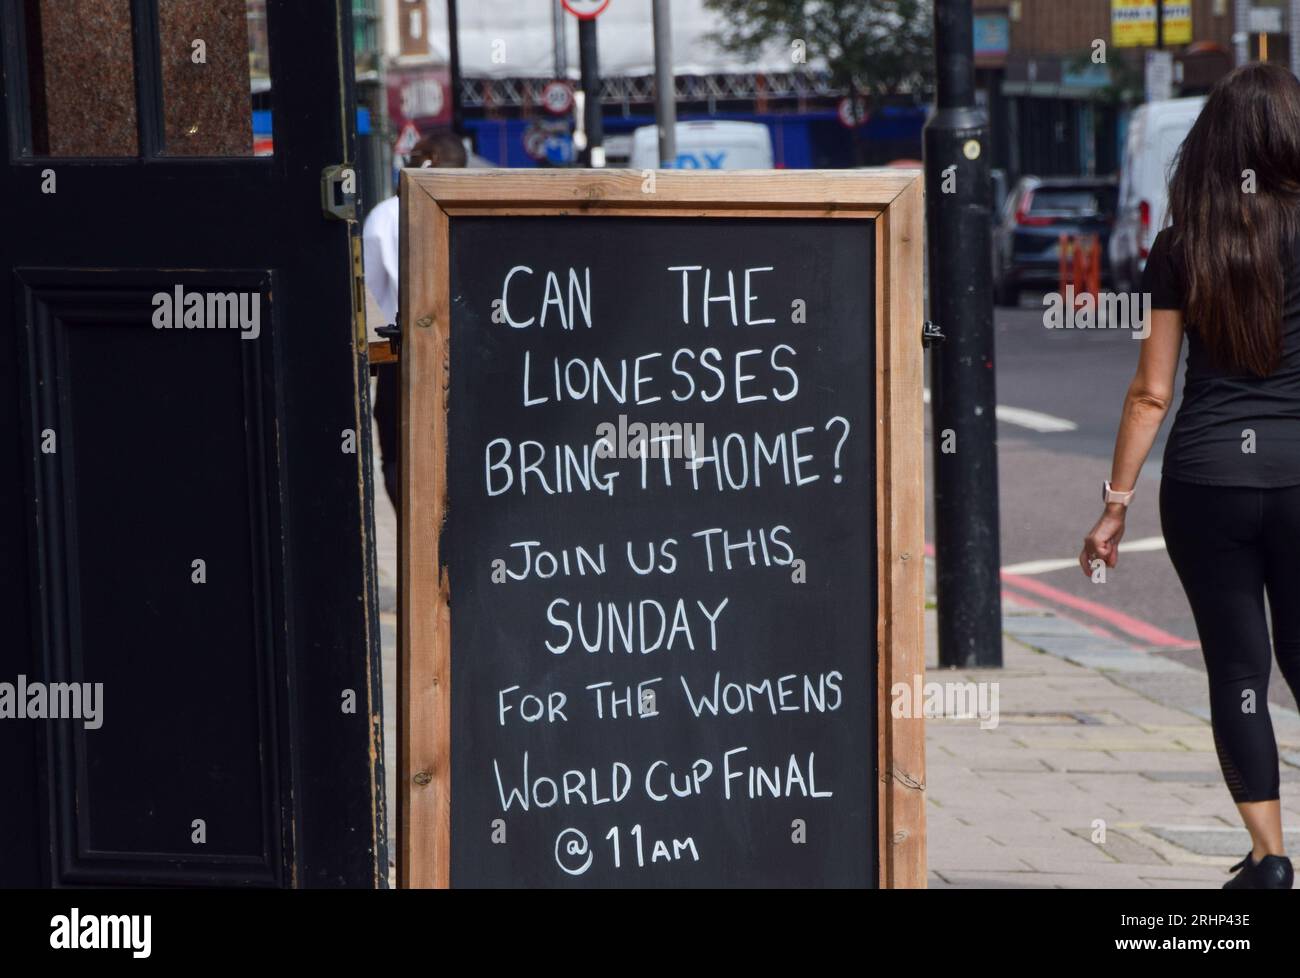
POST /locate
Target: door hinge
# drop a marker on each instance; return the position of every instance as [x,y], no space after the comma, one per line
[338,192]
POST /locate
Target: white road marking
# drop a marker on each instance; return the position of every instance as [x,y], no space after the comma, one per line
[1025,418]
[1034,420]
[1143,545]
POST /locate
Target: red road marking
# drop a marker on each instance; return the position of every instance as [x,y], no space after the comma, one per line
[1136,627]
[1118,620]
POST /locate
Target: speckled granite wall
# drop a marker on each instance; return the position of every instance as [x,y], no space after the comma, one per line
[207,108]
[85,105]
[89,78]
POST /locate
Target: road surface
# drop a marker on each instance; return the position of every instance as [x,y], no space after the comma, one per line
[1059,399]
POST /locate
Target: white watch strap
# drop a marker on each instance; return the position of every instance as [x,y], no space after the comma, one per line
[1114,495]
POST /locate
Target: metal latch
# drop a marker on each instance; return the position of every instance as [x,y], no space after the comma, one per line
[930,334]
[358,286]
[338,192]
[393,333]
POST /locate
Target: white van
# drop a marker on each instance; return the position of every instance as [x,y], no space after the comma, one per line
[1156,131]
[706,145]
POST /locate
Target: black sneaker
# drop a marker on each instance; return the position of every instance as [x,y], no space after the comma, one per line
[1270,873]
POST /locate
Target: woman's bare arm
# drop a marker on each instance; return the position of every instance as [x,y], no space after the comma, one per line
[1145,407]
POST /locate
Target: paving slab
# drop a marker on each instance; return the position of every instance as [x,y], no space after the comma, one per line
[1092,734]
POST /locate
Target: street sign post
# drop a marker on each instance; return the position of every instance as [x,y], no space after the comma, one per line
[962,375]
[1159,75]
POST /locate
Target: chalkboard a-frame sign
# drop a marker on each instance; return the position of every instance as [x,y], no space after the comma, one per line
[661,538]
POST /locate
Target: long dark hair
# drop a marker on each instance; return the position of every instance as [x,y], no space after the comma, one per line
[1231,243]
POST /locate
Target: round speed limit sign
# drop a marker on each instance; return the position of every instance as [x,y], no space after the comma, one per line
[586,9]
[557,97]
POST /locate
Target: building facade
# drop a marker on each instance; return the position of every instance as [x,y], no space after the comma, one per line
[512,56]
[1059,79]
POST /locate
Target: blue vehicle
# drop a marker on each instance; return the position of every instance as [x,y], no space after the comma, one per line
[1026,235]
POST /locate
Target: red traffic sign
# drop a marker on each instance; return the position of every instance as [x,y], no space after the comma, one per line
[538,135]
[845,110]
[407,140]
[557,97]
[586,9]
[535,142]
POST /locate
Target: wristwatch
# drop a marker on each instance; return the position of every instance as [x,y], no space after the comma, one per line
[1110,495]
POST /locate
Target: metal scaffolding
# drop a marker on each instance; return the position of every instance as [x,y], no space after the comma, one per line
[484,93]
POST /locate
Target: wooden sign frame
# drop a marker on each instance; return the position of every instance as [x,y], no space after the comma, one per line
[430,198]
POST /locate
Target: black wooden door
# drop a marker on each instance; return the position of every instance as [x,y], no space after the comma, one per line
[184,482]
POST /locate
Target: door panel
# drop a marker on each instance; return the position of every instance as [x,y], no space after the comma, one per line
[196,539]
[140,416]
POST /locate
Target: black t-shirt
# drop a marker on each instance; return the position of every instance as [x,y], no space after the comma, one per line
[1232,429]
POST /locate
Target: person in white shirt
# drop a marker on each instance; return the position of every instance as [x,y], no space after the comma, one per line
[380,238]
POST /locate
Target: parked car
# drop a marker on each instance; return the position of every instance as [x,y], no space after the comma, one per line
[705,145]
[1037,211]
[1156,131]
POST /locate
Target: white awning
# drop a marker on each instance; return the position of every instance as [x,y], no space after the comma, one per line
[514,39]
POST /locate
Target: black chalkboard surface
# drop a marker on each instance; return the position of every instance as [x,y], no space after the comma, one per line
[663,669]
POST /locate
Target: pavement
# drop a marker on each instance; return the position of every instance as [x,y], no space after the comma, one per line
[1100,772]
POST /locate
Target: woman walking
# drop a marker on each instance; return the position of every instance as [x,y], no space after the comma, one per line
[1227,272]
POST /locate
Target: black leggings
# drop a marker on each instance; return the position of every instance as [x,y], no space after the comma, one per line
[1229,545]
